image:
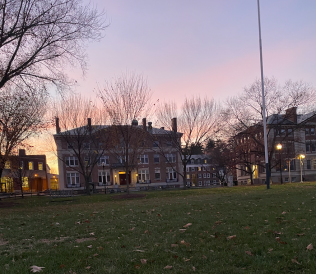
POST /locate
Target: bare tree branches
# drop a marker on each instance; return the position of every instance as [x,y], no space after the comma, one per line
[38,38]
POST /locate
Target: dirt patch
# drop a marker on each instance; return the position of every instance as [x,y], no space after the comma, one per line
[85,240]
[47,241]
[7,204]
[128,196]
[3,242]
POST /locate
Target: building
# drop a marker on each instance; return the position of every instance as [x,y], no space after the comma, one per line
[200,171]
[28,170]
[152,159]
[291,148]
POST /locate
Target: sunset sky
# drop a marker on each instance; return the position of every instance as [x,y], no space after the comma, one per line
[206,47]
[202,47]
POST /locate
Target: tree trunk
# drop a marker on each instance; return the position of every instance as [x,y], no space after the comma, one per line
[251,178]
[127,180]
[87,185]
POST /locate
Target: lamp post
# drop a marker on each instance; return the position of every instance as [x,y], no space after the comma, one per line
[279,147]
[103,177]
[302,156]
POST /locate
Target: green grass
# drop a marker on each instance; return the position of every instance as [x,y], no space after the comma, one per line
[122,232]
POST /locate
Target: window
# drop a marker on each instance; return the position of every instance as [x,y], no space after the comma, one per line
[200,183]
[156,158]
[188,169]
[157,173]
[188,176]
[290,132]
[155,144]
[21,165]
[143,175]
[313,146]
[169,143]
[31,166]
[199,168]
[70,145]
[86,145]
[171,158]
[87,161]
[309,164]
[214,182]
[208,168]
[71,161]
[204,168]
[208,175]
[308,146]
[40,166]
[101,146]
[192,161]
[104,177]
[306,131]
[143,159]
[7,165]
[120,159]
[207,183]
[283,132]
[292,164]
[170,174]
[214,175]
[204,175]
[200,175]
[25,182]
[72,179]
[312,131]
[192,169]
[205,161]
[103,160]
[286,179]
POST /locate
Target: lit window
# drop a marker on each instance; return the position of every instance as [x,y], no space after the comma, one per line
[7,165]
[205,161]
[188,176]
[40,166]
[25,182]
[199,168]
[31,166]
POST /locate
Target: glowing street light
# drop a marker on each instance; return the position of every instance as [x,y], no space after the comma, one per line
[279,147]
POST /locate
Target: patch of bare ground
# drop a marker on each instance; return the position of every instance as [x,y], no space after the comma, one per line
[49,241]
[3,242]
[85,240]
[128,196]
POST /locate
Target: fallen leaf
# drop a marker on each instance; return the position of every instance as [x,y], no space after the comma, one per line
[204,257]
[100,247]
[231,237]
[62,266]
[295,261]
[309,247]
[284,212]
[138,250]
[249,253]
[186,260]
[92,233]
[89,246]
[187,225]
[246,227]
[96,254]
[302,234]
[88,267]
[168,267]
[132,228]
[35,268]
[143,261]
[137,266]
[182,230]
[270,249]
[277,233]
[193,268]
[174,245]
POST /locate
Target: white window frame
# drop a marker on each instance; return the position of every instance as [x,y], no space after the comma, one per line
[171,174]
[71,161]
[104,177]
[156,156]
[200,183]
[143,159]
[171,158]
[143,175]
[208,175]
[204,175]
[73,179]
[104,159]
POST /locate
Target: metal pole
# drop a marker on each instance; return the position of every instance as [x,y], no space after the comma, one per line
[301,164]
[281,166]
[290,171]
[263,106]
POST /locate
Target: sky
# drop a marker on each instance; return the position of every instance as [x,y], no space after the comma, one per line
[202,47]
[205,47]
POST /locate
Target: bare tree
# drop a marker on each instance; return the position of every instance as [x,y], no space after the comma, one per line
[196,122]
[242,119]
[22,115]
[125,101]
[77,136]
[39,38]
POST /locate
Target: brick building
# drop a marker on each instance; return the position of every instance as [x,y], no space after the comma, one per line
[156,163]
[291,146]
[31,170]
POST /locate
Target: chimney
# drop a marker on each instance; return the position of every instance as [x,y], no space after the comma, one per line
[291,115]
[162,128]
[89,123]
[174,124]
[57,125]
[22,152]
[150,127]
[144,124]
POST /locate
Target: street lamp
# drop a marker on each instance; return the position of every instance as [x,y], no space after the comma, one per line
[302,156]
[103,177]
[279,147]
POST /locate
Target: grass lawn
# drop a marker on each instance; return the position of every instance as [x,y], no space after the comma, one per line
[234,230]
